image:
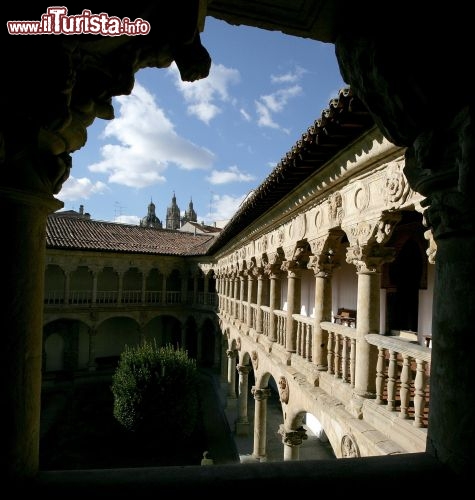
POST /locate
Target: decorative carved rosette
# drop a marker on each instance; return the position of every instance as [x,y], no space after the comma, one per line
[283,390]
[396,185]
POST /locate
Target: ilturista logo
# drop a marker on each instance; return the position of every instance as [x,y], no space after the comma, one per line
[56,21]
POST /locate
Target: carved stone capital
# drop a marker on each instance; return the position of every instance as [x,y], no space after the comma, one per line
[243,369]
[260,394]
[231,353]
[293,437]
[370,258]
[292,268]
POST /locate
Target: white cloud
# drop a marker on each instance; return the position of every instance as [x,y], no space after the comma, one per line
[233,174]
[76,189]
[269,104]
[265,117]
[225,206]
[289,77]
[205,96]
[147,144]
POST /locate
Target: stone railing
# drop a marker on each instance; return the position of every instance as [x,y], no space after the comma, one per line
[111,297]
[281,327]
[304,336]
[266,312]
[341,351]
[402,377]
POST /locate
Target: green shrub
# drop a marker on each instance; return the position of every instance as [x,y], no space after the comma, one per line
[156,391]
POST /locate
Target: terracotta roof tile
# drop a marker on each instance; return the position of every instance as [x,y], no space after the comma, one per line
[72,233]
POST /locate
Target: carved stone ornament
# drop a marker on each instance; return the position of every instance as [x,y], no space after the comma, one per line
[255,359]
[238,344]
[349,449]
[283,390]
[396,185]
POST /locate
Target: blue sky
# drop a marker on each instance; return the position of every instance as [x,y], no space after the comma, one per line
[211,141]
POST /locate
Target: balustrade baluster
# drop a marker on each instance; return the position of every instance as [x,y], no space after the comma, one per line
[392,371]
[405,390]
[380,376]
[330,355]
[419,393]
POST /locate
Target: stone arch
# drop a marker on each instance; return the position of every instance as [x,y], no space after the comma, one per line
[407,274]
[61,343]
[164,329]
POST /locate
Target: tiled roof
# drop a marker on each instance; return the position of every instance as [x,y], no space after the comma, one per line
[344,121]
[72,233]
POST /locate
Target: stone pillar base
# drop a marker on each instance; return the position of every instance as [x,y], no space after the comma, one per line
[231,403]
[242,429]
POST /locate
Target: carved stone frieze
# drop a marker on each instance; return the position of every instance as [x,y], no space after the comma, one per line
[361,198]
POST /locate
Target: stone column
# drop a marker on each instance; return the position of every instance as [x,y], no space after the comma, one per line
[164,288]
[224,366]
[184,290]
[260,422]
[259,272]
[250,296]
[293,302]
[199,345]
[367,313]
[24,222]
[275,275]
[242,294]
[231,396]
[94,286]
[67,285]
[322,305]
[144,287]
[292,440]
[121,286]
[242,422]
[235,296]
[91,362]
